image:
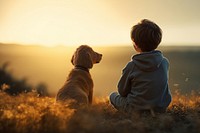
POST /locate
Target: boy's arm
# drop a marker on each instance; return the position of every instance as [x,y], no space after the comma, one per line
[124,84]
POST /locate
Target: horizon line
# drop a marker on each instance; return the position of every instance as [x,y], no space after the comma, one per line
[100,45]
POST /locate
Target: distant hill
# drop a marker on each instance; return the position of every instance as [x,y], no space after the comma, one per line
[51,65]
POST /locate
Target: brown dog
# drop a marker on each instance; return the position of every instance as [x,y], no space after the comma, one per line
[79,84]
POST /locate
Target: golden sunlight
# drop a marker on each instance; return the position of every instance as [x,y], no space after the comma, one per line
[57,22]
[94,22]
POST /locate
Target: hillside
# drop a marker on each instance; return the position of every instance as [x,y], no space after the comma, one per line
[28,113]
[51,65]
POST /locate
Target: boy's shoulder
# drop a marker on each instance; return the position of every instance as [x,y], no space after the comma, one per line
[165,58]
[166,62]
[129,66]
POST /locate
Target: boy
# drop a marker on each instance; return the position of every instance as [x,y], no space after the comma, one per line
[144,81]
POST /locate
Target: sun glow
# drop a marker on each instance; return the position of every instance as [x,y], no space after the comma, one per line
[94,22]
[56,23]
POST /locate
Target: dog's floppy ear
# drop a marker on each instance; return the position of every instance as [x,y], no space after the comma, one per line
[82,58]
[89,60]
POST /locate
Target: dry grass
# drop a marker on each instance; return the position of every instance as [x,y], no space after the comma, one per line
[28,113]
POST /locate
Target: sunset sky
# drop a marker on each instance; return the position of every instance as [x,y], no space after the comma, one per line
[96,22]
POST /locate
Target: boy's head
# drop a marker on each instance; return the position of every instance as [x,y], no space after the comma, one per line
[146,35]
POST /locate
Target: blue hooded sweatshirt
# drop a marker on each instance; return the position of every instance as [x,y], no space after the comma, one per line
[144,81]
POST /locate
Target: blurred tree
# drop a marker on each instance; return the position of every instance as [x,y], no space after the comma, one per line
[15,86]
[41,89]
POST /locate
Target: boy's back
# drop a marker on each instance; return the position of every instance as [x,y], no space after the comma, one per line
[148,75]
[144,81]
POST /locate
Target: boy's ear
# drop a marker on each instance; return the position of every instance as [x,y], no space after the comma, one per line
[72,60]
[135,46]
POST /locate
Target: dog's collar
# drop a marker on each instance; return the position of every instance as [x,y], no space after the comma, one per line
[82,68]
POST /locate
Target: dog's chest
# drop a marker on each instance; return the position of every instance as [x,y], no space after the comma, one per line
[81,78]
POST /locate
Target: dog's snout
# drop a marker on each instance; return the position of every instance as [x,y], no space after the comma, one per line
[98,57]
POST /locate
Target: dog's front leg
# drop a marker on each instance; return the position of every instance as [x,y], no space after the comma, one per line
[90,96]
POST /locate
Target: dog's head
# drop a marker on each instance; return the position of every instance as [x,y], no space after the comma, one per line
[85,56]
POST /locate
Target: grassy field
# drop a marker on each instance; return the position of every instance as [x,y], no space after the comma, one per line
[28,113]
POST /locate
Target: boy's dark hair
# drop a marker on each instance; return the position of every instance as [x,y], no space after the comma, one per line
[147,35]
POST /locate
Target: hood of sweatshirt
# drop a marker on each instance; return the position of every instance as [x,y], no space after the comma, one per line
[148,61]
